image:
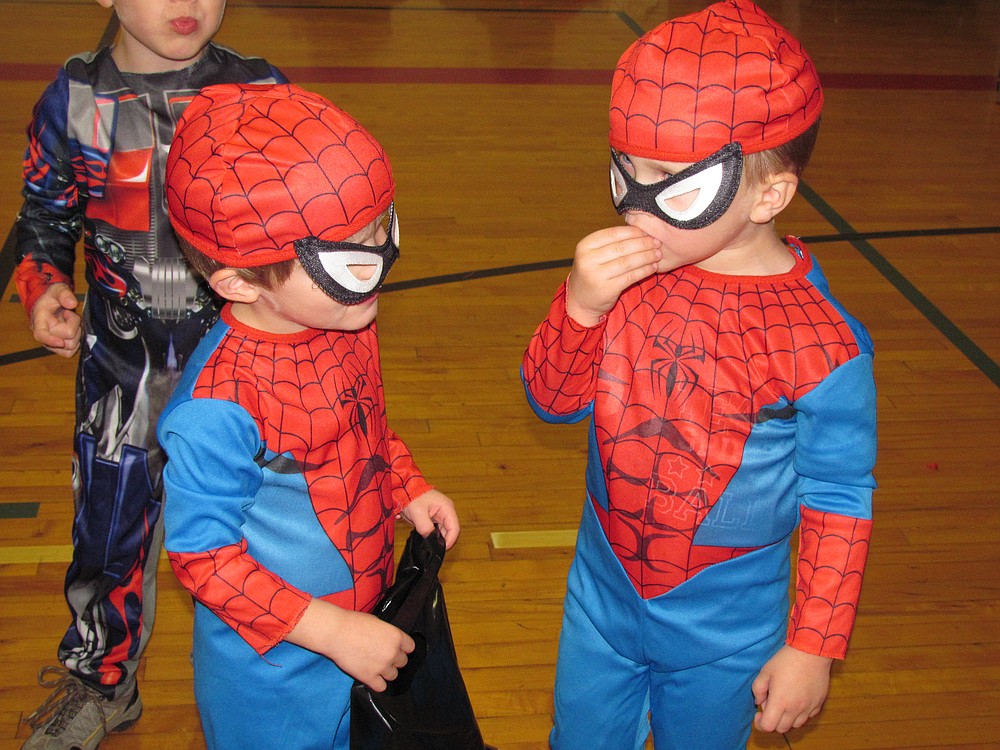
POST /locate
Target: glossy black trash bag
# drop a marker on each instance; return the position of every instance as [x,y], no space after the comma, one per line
[427,707]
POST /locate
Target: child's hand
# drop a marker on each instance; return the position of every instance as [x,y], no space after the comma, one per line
[431,509]
[362,645]
[54,324]
[606,263]
[790,689]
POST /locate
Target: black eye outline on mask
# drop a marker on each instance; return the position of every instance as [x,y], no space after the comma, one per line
[327,263]
[716,178]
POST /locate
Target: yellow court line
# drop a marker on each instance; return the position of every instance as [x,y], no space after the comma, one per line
[526,539]
[51,553]
[501,540]
[61,553]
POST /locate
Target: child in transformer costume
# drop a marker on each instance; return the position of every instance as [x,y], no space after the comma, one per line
[731,399]
[284,481]
[97,145]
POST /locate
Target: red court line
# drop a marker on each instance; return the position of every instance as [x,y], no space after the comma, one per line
[450,75]
[43,72]
[909,82]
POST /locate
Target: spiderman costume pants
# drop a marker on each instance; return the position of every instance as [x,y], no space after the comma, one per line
[683,661]
[128,368]
[291,698]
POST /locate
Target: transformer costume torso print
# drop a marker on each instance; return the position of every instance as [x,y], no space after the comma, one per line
[725,411]
[94,165]
[310,465]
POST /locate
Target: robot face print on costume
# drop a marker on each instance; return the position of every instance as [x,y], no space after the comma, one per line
[328,263]
[713,183]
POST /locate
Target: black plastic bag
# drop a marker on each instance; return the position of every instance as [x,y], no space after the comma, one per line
[427,707]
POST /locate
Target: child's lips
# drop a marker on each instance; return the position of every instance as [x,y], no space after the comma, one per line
[184,25]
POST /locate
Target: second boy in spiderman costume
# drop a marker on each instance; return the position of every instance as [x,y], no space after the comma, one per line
[731,400]
[284,481]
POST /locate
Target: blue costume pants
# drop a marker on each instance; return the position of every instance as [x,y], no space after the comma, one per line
[288,699]
[680,664]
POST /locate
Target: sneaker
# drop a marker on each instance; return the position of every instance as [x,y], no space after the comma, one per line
[75,716]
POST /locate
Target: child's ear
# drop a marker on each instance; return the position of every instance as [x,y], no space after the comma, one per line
[229,285]
[106,3]
[773,196]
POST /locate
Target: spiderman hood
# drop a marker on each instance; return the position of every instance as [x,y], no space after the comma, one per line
[727,74]
[254,168]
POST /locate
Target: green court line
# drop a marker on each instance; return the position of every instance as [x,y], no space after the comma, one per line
[18,510]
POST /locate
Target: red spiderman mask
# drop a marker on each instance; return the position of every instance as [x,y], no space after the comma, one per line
[692,88]
[259,174]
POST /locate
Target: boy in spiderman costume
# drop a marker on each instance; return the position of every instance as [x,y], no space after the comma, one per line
[97,145]
[731,400]
[284,481]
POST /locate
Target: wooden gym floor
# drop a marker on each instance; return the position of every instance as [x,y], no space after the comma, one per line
[495,115]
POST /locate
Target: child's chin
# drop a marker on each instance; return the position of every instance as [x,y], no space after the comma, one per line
[362,316]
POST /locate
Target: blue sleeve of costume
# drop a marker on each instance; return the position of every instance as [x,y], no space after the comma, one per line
[836,429]
[211,476]
[836,441]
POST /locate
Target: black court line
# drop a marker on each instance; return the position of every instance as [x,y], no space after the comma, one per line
[859,240]
[928,309]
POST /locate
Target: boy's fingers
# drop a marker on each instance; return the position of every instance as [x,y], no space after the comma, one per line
[759,690]
[67,299]
[407,645]
[424,525]
[765,721]
[802,719]
[630,246]
[450,536]
[603,237]
[632,255]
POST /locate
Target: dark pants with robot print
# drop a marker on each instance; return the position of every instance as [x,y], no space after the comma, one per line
[128,368]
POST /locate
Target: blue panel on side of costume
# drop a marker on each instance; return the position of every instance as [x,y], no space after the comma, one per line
[759,506]
[861,336]
[192,371]
[281,520]
[596,484]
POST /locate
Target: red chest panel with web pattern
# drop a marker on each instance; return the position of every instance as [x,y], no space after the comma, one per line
[689,362]
[319,400]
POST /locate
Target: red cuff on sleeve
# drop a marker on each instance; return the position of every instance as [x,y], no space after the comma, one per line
[254,602]
[32,279]
[833,550]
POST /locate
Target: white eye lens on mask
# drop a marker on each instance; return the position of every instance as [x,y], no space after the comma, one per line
[714,181]
[329,263]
